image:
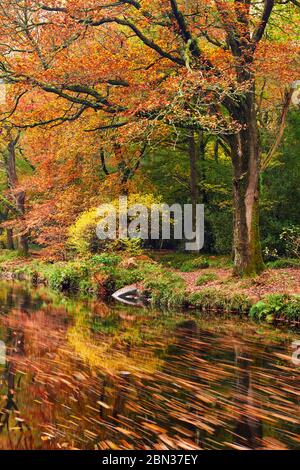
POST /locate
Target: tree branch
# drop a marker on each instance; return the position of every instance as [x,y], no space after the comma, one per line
[268,8]
[148,42]
[286,105]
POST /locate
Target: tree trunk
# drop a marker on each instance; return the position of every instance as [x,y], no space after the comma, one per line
[23,237]
[10,239]
[18,194]
[245,149]
[193,175]
[202,149]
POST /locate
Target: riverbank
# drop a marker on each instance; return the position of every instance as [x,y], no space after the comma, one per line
[168,280]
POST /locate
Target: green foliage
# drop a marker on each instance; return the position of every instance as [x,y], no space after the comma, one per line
[194,265]
[214,299]
[126,277]
[106,259]
[165,289]
[174,259]
[284,263]
[9,255]
[168,169]
[277,306]
[291,236]
[206,278]
[281,191]
[219,220]
[68,277]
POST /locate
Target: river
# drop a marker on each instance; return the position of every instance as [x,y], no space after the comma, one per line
[81,374]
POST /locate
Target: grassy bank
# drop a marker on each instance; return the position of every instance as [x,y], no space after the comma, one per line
[170,281]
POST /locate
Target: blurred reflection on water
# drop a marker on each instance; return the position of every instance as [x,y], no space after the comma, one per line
[85,375]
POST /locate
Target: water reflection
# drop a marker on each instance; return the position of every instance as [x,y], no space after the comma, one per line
[83,375]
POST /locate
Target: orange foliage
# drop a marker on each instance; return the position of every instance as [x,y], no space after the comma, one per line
[127,70]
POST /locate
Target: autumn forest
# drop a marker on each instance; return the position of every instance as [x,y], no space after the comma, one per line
[189,102]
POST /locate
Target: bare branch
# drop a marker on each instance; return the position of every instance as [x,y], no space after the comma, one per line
[258,34]
[282,125]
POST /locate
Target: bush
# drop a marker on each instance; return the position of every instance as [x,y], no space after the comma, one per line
[126,277]
[277,306]
[68,277]
[291,237]
[213,299]
[165,289]
[83,236]
[283,263]
[105,259]
[132,246]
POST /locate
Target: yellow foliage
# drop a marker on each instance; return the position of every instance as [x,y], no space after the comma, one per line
[82,234]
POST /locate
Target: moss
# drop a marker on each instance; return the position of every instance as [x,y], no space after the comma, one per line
[256,265]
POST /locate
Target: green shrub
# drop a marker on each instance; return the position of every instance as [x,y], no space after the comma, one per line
[126,277]
[277,306]
[132,246]
[106,259]
[214,299]
[291,237]
[165,289]
[283,263]
[68,277]
[206,278]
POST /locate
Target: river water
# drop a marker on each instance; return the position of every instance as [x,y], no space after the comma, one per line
[78,374]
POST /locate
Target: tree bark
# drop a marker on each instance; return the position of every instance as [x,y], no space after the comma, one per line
[23,237]
[193,175]
[18,194]
[245,152]
[202,143]
[10,239]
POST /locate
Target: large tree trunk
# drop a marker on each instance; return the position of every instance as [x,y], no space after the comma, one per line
[23,237]
[245,149]
[202,143]
[193,175]
[19,195]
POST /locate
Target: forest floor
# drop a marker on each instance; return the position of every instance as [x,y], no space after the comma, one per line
[271,281]
[218,274]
